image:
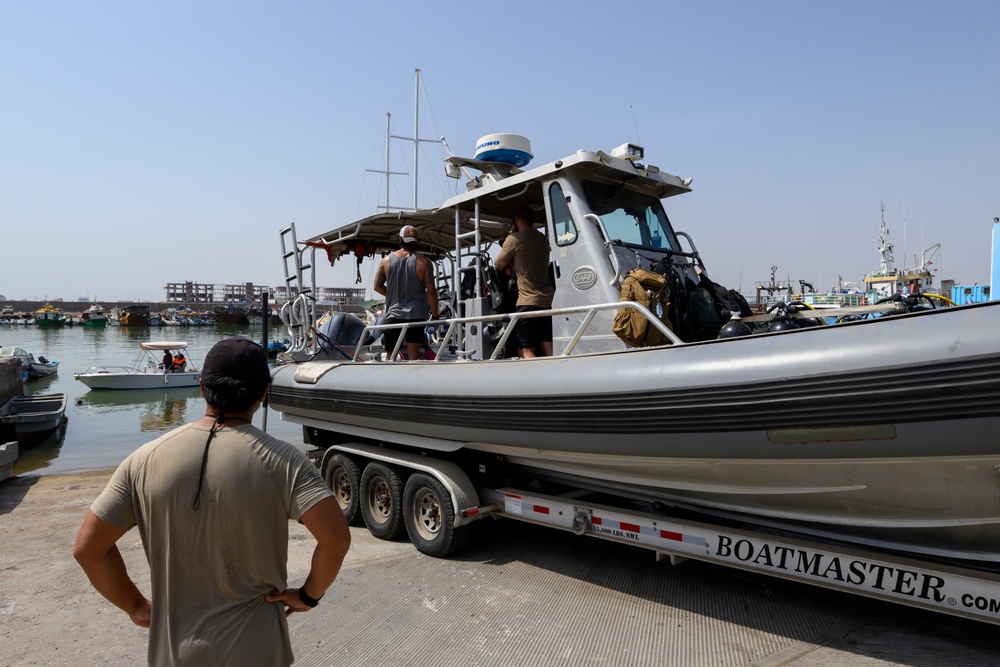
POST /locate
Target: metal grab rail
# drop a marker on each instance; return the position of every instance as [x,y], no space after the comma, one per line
[512,318]
[607,244]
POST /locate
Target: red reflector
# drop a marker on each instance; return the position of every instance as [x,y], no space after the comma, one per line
[667,535]
[540,509]
[595,521]
[472,512]
[631,527]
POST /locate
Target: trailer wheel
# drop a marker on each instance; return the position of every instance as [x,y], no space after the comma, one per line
[344,477]
[430,517]
[382,501]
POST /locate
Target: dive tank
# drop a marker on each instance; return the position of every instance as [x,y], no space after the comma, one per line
[783,324]
[734,328]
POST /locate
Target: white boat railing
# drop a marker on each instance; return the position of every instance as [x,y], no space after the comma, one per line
[510,319]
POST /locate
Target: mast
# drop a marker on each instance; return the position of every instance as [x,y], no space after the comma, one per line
[387,172]
[416,139]
[416,135]
[885,247]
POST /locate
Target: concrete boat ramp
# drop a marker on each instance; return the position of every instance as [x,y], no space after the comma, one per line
[519,595]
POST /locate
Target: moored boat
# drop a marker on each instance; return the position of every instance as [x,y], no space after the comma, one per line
[146,372]
[32,417]
[49,316]
[134,316]
[872,424]
[32,367]
[94,317]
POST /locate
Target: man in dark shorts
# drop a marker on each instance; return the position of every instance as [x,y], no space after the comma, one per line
[525,253]
[406,280]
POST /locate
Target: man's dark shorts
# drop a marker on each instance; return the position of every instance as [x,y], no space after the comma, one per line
[531,331]
[413,334]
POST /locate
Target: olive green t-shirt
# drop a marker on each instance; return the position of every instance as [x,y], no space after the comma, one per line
[210,568]
[527,252]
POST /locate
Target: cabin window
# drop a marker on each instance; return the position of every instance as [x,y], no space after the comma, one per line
[562,221]
[631,218]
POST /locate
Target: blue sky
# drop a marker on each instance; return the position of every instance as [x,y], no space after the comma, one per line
[146,143]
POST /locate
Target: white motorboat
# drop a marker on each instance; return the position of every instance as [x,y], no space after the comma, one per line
[147,372]
[877,424]
[31,367]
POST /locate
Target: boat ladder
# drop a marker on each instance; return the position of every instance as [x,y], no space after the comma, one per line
[298,314]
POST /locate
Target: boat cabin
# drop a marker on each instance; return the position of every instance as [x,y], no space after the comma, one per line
[601,212]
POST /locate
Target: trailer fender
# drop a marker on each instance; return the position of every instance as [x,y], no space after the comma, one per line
[460,487]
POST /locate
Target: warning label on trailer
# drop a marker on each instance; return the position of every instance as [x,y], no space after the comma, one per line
[511,503]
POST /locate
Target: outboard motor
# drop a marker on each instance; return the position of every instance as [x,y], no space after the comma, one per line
[343,328]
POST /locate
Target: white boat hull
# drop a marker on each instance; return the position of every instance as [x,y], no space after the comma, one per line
[129,379]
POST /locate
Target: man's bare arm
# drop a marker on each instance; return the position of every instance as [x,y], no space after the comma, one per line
[380,276]
[432,295]
[97,553]
[326,522]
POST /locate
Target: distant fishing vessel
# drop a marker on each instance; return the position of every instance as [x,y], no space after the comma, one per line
[134,316]
[50,316]
[888,279]
[94,317]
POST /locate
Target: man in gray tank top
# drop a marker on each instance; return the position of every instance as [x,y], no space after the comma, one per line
[406,280]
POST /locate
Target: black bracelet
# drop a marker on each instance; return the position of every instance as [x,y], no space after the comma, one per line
[306,600]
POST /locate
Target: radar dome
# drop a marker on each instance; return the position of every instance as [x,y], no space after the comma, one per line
[509,148]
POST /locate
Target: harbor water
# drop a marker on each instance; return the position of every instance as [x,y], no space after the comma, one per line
[105,426]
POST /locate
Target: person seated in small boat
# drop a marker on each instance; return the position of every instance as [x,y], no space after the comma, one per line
[168,362]
[406,280]
[179,362]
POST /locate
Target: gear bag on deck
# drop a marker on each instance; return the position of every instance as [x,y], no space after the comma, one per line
[650,290]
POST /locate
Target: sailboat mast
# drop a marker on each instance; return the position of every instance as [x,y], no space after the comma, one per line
[388,118]
[416,136]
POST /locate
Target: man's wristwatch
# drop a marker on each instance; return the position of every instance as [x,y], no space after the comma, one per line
[306,600]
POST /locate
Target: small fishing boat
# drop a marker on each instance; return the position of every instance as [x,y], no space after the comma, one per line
[49,316]
[94,317]
[30,418]
[147,372]
[133,316]
[30,366]
[276,347]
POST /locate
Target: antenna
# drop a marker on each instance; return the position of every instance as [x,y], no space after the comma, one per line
[635,125]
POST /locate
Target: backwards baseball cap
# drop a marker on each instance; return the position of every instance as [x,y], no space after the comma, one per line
[408,235]
[238,365]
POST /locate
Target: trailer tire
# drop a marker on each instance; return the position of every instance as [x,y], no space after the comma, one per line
[430,517]
[382,501]
[343,476]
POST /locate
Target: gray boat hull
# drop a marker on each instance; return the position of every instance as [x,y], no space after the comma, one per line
[885,432]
